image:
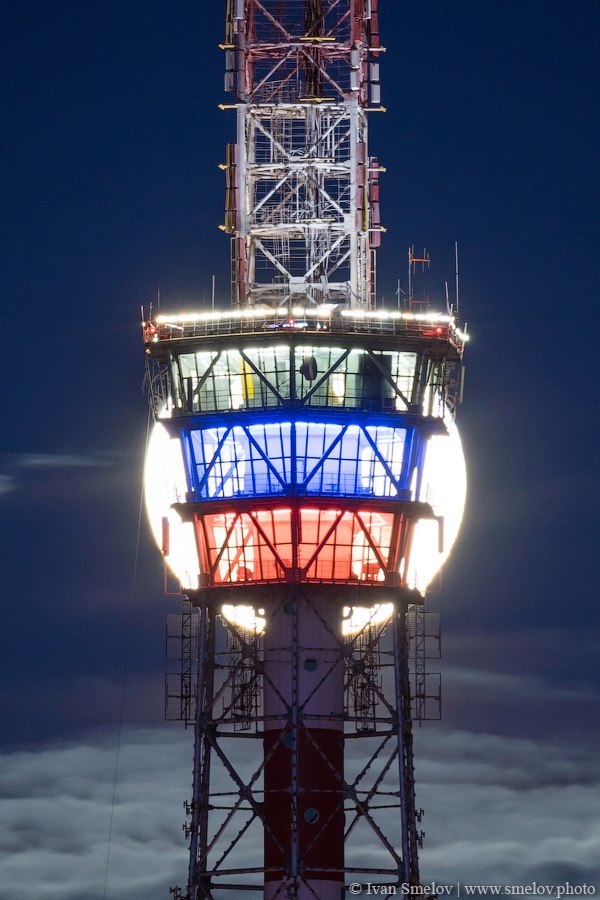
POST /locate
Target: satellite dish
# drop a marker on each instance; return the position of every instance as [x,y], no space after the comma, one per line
[308,369]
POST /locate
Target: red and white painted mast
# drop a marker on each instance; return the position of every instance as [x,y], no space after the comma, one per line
[305,481]
[302,191]
[303,205]
[304,748]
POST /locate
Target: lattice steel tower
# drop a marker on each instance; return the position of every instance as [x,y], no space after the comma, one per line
[302,190]
[305,481]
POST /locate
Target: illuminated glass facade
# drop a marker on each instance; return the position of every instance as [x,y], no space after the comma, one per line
[296,544]
[313,376]
[312,458]
[274,436]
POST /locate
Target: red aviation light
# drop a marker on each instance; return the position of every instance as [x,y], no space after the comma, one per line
[150,332]
[438,331]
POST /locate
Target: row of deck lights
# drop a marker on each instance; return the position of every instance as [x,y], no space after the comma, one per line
[320,312]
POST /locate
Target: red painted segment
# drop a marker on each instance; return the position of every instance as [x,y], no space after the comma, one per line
[321,836]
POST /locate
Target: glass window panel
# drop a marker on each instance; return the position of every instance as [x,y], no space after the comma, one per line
[232,382]
[333,390]
[356,380]
[276,532]
[315,525]
[247,547]
[372,532]
[274,364]
[220,463]
[433,395]
[403,372]
[331,460]
[377,464]
[316,448]
[333,546]
[242,462]
[269,454]
[230,548]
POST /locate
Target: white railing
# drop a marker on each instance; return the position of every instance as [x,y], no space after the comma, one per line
[252,320]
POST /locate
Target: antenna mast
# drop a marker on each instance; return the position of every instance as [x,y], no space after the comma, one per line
[413,260]
[294,487]
[302,192]
[457,311]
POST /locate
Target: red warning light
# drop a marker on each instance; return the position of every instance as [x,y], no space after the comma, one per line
[150,332]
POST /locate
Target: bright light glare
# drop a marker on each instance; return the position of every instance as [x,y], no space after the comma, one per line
[165,484]
[244,618]
[444,487]
[357,618]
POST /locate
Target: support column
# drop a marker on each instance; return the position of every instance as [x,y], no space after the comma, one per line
[406,779]
[303,746]
[198,883]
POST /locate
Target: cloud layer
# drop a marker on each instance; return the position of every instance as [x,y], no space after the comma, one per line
[56,810]
[18,469]
[498,810]
[508,811]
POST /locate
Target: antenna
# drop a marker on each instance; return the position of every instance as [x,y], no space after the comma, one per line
[424,260]
[212,295]
[456,271]
[400,292]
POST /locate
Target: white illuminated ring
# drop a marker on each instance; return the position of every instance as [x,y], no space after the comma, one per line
[165,484]
[443,487]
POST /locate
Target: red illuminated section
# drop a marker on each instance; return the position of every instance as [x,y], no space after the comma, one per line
[301,544]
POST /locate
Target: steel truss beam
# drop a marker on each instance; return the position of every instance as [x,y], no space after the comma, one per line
[376,793]
[302,194]
[300,218]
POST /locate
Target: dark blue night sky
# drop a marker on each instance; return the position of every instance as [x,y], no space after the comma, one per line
[111,137]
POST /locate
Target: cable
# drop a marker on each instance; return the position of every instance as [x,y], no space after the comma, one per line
[125,667]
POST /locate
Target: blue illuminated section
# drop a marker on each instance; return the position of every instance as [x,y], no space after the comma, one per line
[296,457]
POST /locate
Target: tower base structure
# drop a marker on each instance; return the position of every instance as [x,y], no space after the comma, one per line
[325,688]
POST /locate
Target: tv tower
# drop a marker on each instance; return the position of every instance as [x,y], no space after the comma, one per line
[305,482]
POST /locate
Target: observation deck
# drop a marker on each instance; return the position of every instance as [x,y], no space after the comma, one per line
[408,329]
[304,438]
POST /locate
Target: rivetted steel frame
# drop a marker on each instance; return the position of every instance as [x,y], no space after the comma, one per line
[388,765]
[302,193]
[302,207]
[374,787]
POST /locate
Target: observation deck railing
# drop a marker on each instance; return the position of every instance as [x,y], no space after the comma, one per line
[427,325]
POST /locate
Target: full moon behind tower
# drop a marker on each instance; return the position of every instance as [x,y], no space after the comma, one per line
[305,482]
